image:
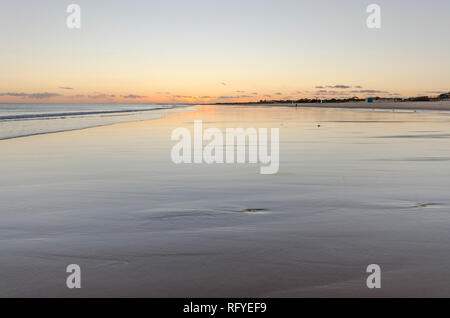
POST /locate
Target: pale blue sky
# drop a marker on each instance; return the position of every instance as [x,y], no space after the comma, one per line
[188,48]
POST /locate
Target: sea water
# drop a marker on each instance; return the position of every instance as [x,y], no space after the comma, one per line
[19,120]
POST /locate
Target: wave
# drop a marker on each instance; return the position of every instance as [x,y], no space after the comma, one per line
[65,114]
[18,125]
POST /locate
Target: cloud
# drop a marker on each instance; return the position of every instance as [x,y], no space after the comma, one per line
[42,95]
[65,87]
[32,95]
[278,93]
[240,91]
[99,96]
[14,94]
[224,84]
[340,86]
[191,98]
[327,92]
[436,92]
[370,91]
[132,96]
[267,95]
[341,90]
[234,97]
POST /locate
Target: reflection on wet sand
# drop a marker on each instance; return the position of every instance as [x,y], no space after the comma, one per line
[111,200]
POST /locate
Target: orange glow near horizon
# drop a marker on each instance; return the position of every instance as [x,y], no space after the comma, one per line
[74,97]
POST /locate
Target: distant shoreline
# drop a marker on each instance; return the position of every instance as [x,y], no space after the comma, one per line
[417,106]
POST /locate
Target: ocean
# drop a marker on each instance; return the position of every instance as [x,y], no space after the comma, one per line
[20,120]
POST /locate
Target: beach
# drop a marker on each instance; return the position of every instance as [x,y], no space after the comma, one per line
[443,105]
[355,187]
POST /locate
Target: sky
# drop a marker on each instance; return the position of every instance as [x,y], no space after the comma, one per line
[203,51]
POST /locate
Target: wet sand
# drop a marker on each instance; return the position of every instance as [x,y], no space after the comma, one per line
[366,187]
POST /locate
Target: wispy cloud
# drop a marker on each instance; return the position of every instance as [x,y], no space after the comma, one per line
[193,99]
[327,92]
[65,87]
[234,97]
[133,96]
[182,96]
[369,91]
[436,92]
[32,95]
[338,86]
[101,96]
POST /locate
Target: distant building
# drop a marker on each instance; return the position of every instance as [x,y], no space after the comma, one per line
[420,99]
[369,100]
[444,96]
